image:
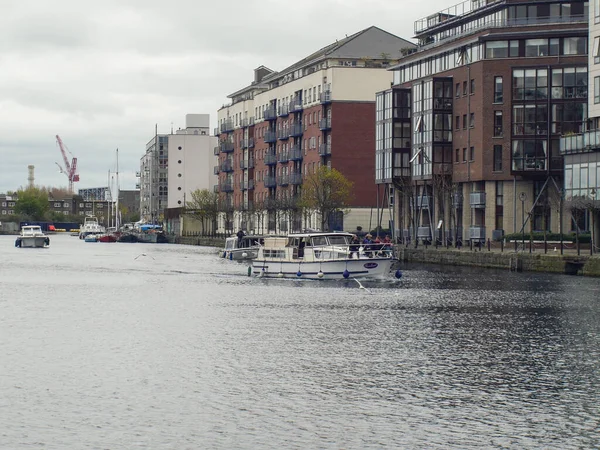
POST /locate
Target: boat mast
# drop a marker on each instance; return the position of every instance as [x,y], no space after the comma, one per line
[117,202]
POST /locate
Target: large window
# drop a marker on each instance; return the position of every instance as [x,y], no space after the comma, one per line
[497,158]
[496,49]
[529,154]
[570,82]
[575,46]
[498,123]
[499,89]
[568,117]
[530,119]
[530,84]
[597,89]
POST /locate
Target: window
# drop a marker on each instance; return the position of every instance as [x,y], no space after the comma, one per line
[457,90]
[472,154]
[497,158]
[498,90]
[596,50]
[464,121]
[457,155]
[496,49]
[569,82]
[464,88]
[497,123]
[530,84]
[536,47]
[499,205]
[457,120]
[472,87]
[596,90]
[464,155]
[472,120]
[575,46]
[531,119]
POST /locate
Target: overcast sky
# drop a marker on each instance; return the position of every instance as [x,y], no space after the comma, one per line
[102,74]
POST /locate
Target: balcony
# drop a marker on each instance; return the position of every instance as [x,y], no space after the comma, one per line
[247,122]
[296,129]
[270,114]
[216,188]
[227,126]
[295,178]
[138,174]
[283,110]
[477,200]
[325,96]
[246,185]
[216,131]
[296,152]
[217,150]
[226,146]
[477,233]
[247,164]
[227,166]
[270,137]
[324,149]
[325,123]
[269,181]
[137,186]
[248,143]
[283,180]
[283,157]
[283,134]
[227,186]
[296,105]
[580,143]
[216,170]
[270,159]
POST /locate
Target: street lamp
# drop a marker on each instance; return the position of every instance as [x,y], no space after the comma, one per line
[523,197]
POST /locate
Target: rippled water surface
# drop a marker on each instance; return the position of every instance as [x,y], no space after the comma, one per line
[121,346]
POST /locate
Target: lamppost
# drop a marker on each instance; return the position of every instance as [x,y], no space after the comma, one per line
[523,197]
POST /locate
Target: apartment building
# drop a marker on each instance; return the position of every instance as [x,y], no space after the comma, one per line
[153,183]
[582,150]
[284,125]
[469,134]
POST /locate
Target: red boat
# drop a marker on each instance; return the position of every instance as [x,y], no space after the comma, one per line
[107,237]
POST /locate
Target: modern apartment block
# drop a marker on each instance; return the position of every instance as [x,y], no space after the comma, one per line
[285,125]
[469,134]
[582,150]
[174,166]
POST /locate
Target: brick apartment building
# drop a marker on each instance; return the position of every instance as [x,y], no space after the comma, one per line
[285,125]
[469,134]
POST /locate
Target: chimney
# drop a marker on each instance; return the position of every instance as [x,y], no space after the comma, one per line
[31,178]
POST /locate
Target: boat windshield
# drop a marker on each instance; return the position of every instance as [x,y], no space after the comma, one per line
[338,240]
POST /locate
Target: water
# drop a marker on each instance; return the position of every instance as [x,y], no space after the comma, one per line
[124,346]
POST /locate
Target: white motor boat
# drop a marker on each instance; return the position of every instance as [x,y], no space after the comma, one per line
[90,226]
[32,236]
[322,255]
[244,248]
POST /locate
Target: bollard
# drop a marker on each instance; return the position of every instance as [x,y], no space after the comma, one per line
[489,243]
[501,245]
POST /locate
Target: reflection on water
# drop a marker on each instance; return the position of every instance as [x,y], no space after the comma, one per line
[150,346]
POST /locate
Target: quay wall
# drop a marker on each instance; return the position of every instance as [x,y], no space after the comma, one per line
[526,262]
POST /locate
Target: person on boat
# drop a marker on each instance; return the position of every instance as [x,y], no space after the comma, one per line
[354,246]
[368,243]
[387,244]
[240,235]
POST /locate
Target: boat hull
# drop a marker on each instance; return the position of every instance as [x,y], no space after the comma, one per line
[33,241]
[328,270]
[241,254]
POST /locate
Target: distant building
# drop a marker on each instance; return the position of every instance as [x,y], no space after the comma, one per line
[284,125]
[99,193]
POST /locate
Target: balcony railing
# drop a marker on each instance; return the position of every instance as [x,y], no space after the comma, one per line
[477,199]
[270,114]
[477,233]
[226,146]
[216,170]
[283,110]
[324,149]
[216,131]
[217,150]
[227,187]
[296,105]
[283,157]
[269,181]
[283,133]
[227,126]
[325,123]
[296,152]
[270,159]
[283,180]
[248,143]
[247,122]
[325,96]
[580,143]
[246,185]
[296,129]
[295,178]
[270,136]
[227,166]
[247,164]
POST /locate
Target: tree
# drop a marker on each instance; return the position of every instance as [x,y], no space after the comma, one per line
[326,191]
[32,203]
[204,207]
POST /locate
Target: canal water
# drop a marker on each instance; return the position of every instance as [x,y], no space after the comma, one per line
[124,346]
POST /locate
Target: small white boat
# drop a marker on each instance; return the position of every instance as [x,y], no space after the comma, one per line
[244,248]
[32,236]
[90,227]
[319,255]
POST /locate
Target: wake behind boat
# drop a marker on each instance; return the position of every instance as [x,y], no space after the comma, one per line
[322,255]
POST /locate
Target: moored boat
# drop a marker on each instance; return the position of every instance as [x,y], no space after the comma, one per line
[91,227]
[32,236]
[242,248]
[322,255]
